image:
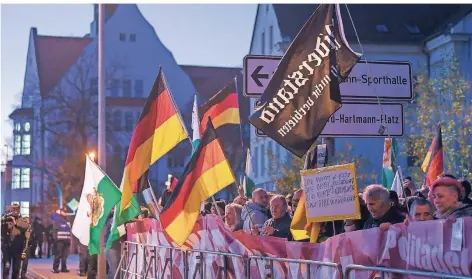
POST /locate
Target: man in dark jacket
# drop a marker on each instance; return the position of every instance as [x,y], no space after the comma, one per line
[62,236]
[377,199]
[13,240]
[37,238]
[279,224]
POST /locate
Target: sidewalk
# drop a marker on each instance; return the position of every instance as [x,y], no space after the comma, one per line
[42,268]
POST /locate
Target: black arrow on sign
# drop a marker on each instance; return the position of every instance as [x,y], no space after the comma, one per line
[256,76]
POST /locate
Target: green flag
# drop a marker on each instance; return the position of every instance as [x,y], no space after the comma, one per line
[118,227]
[103,197]
[388,165]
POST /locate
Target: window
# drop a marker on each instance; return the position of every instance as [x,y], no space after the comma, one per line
[26,145]
[267,8]
[17,145]
[27,126]
[117,120]
[132,38]
[270,150]
[263,156]
[381,28]
[94,85]
[126,88]
[271,38]
[138,88]
[263,43]
[16,179]
[25,178]
[115,84]
[24,208]
[117,150]
[129,121]
[255,162]
[412,28]
[169,162]
[122,37]
[18,127]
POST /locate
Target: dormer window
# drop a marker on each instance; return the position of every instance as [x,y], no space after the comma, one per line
[381,28]
[413,28]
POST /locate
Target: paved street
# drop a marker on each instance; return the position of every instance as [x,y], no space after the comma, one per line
[42,268]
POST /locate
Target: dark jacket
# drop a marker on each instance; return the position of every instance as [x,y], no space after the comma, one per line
[60,227]
[393,216]
[281,225]
[464,210]
[15,235]
[38,230]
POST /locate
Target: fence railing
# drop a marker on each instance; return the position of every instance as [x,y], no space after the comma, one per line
[385,270]
[138,260]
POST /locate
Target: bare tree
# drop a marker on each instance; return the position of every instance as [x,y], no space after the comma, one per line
[68,117]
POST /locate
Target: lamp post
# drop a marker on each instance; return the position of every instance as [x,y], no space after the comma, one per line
[92,156]
[101,269]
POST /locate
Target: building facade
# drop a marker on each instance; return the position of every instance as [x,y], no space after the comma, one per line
[419,34]
[58,113]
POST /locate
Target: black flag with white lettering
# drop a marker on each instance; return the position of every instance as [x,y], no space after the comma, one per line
[304,90]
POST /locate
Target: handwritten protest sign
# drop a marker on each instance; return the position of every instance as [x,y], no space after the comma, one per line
[331,193]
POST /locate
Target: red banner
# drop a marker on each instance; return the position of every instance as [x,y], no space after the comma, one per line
[424,246]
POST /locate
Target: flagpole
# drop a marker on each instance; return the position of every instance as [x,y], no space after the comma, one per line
[101,268]
[176,107]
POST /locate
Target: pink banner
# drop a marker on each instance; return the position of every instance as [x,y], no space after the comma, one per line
[424,246]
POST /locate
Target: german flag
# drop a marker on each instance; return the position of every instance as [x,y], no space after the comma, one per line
[222,108]
[159,129]
[207,173]
[433,163]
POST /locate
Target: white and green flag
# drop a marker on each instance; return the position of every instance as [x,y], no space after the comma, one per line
[195,125]
[99,196]
[248,184]
[388,164]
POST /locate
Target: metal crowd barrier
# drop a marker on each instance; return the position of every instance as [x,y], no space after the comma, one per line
[270,266]
[127,259]
[222,272]
[384,270]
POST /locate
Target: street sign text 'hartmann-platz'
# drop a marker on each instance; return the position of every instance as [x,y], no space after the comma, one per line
[360,114]
[358,120]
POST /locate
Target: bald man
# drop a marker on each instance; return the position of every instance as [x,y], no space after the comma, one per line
[255,212]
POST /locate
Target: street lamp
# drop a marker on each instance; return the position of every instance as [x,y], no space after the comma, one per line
[92,156]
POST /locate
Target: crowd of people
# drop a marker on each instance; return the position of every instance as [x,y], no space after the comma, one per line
[265,213]
[23,240]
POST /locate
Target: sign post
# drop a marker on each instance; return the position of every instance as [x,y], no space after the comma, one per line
[369,81]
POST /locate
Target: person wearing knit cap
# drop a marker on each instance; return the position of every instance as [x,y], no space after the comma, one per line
[447,193]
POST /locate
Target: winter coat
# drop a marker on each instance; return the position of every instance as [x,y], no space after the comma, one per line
[252,212]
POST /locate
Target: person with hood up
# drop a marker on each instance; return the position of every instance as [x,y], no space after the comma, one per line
[255,213]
